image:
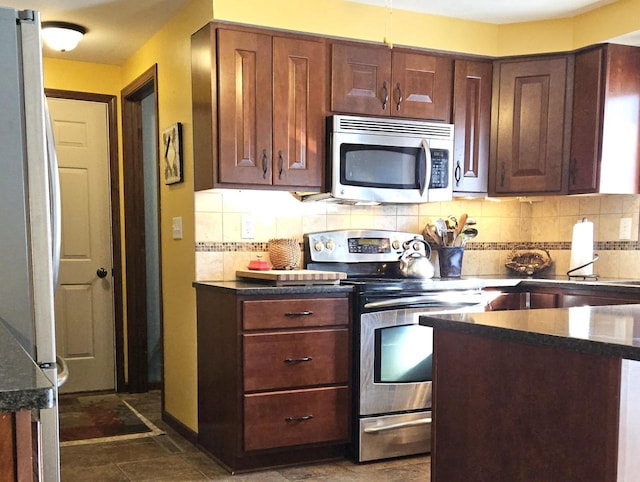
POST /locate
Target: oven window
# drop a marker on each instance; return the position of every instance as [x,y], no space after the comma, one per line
[379,166]
[403,354]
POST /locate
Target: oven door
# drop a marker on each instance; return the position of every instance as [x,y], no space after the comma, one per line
[396,351]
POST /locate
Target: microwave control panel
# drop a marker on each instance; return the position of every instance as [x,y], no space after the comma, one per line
[439,169]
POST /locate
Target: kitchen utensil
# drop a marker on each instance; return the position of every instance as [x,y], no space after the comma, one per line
[441,228]
[462,222]
[414,264]
[430,232]
[467,234]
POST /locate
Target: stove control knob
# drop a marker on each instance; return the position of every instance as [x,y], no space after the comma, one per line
[318,246]
[395,244]
[330,245]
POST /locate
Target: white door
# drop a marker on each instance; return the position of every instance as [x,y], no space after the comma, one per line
[84,300]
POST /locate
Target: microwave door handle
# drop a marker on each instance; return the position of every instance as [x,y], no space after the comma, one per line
[424,169]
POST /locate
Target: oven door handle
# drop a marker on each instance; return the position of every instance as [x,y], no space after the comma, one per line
[459,299]
[393,426]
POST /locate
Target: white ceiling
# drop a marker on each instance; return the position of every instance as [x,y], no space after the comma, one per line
[494,11]
[117,28]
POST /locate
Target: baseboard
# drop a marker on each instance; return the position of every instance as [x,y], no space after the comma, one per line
[179,427]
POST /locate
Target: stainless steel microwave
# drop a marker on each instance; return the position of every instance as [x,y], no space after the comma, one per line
[384,160]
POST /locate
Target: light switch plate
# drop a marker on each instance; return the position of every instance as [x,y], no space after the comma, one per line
[625,228]
[176,227]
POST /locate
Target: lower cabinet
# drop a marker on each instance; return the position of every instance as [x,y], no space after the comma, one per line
[529,298]
[18,447]
[273,377]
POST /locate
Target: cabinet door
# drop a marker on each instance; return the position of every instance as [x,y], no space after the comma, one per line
[360,78]
[298,112]
[421,86]
[472,121]
[587,122]
[530,142]
[244,73]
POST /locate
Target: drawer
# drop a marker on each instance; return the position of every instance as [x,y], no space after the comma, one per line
[295,359]
[296,417]
[293,313]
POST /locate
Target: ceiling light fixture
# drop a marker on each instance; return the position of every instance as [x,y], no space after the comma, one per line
[62,36]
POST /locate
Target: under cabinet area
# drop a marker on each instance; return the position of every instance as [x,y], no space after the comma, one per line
[259,108]
[274,378]
[378,81]
[530,127]
[605,149]
[529,297]
[472,125]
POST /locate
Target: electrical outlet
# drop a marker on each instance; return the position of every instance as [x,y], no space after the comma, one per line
[248,227]
[625,228]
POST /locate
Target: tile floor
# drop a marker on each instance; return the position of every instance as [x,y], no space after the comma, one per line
[172,458]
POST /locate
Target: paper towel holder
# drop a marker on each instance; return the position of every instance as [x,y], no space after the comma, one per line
[584,276]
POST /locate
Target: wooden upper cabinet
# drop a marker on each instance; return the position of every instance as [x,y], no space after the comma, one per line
[259,108]
[299,95]
[360,79]
[605,149]
[531,145]
[472,125]
[378,81]
[245,103]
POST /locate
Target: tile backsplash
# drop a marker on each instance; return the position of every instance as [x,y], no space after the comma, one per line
[544,222]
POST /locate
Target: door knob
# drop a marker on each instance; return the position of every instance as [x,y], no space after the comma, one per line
[101,272]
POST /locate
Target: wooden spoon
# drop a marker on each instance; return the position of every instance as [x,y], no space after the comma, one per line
[462,221]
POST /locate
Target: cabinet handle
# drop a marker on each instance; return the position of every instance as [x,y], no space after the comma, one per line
[264,164]
[298,360]
[299,313]
[386,95]
[502,174]
[298,419]
[457,173]
[280,165]
[399,96]
[572,171]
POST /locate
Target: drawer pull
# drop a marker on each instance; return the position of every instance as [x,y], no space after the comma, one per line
[299,313]
[299,419]
[298,360]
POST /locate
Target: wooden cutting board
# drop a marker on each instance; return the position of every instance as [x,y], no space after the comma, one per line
[293,277]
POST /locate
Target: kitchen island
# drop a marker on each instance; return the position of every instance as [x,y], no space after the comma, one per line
[528,395]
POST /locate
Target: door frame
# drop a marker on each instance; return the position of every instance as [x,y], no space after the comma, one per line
[131,98]
[111,102]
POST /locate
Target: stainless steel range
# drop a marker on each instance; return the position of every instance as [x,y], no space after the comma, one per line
[392,353]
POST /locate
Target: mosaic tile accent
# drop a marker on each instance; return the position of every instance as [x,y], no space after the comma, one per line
[224,247]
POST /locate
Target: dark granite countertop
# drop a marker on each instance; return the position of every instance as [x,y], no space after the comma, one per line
[23,386]
[599,330]
[258,288]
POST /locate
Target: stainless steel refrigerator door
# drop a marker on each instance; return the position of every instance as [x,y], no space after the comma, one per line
[26,265]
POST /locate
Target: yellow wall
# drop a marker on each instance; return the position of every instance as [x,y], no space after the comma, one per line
[169,49]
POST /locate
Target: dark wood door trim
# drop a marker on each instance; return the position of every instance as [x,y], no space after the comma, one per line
[116,228]
[131,97]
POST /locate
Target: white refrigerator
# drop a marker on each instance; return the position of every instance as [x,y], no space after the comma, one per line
[29,207]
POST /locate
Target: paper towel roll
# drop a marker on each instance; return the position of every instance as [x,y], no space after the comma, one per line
[582,248]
